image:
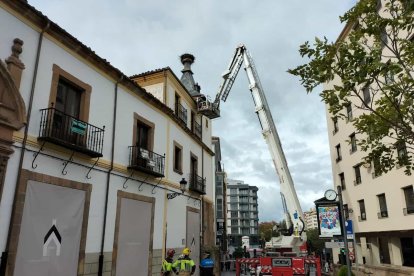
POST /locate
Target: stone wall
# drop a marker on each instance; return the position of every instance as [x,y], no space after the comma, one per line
[382,270]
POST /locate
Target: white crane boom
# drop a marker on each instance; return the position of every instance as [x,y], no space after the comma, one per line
[290,202]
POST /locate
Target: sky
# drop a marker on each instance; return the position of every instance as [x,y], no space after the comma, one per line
[138,36]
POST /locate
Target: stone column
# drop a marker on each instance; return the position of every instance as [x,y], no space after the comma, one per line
[394,245]
[375,254]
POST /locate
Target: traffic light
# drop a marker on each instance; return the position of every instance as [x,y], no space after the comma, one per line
[342,251]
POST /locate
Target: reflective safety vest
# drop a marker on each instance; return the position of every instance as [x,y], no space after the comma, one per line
[184,265]
[166,266]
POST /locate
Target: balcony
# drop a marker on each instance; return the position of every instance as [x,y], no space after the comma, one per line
[197,184]
[197,130]
[181,112]
[382,214]
[64,130]
[146,161]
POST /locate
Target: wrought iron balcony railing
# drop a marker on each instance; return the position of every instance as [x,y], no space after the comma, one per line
[197,129]
[69,132]
[197,184]
[146,161]
[181,112]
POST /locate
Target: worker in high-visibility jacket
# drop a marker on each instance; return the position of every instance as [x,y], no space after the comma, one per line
[184,265]
[166,269]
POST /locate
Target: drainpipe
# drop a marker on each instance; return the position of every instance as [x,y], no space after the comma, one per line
[108,178]
[4,254]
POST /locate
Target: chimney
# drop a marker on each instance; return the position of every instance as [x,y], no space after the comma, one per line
[187,78]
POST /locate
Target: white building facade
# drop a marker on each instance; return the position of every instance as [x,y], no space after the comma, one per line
[381,207]
[92,160]
[311,219]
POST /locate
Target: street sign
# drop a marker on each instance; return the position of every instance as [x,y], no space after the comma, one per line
[349,229]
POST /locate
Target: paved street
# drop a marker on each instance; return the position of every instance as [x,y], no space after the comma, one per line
[228,273]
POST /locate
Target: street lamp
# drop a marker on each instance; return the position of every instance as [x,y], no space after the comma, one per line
[183,184]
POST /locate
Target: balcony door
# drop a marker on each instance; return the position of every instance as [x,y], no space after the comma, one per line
[68,99]
[67,105]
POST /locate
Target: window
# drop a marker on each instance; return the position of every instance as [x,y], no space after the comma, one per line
[357,170]
[193,166]
[234,214]
[367,95]
[363,215]
[384,38]
[68,98]
[401,151]
[233,206]
[335,125]
[348,112]
[389,78]
[233,191]
[383,206]
[143,133]
[409,200]
[377,167]
[192,121]
[338,153]
[346,211]
[3,167]
[353,143]
[69,95]
[342,180]
[178,157]
[177,103]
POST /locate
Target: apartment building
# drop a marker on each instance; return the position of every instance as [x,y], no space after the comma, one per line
[311,219]
[242,213]
[220,198]
[100,172]
[381,206]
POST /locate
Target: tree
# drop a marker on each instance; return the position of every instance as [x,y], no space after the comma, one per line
[266,230]
[370,70]
[315,243]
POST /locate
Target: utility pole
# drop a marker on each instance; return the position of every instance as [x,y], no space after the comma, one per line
[341,207]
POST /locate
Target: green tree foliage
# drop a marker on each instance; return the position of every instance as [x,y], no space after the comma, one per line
[372,68]
[316,244]
[266,230]
[343,271]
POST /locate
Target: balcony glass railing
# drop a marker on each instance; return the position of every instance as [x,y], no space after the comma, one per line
[146,161]
[70,132]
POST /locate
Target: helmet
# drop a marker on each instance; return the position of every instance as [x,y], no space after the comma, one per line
[170,252]
[186,251]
